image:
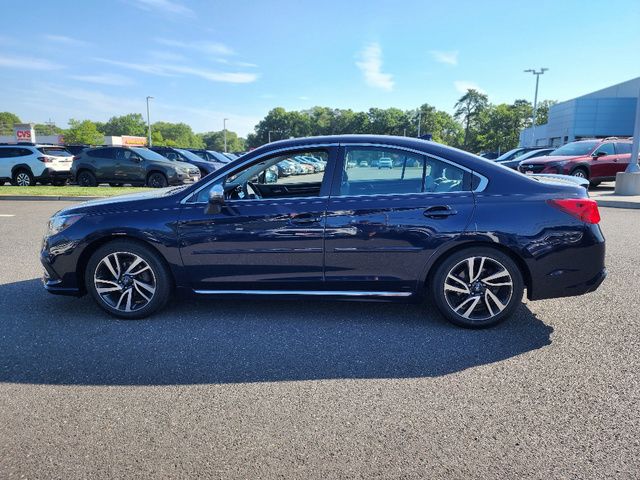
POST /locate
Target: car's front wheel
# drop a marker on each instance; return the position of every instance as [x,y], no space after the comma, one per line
[157,180]
[477,287]
[128,279]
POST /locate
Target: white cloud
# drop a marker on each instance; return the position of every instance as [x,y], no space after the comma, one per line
[450,58]
[371,66]
[172,70]
[27,63]
[164,6]
[208,48]
[104,79]
[463,85]
[64,40]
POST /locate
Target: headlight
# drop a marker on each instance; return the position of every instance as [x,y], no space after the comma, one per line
[58,223]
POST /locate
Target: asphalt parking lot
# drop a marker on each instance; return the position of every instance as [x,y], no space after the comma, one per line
[275,389]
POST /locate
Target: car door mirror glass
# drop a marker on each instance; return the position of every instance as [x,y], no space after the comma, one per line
[216,200]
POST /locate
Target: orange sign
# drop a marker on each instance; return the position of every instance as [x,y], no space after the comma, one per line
[130,141]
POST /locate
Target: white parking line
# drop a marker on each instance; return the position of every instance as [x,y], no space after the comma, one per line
[6,215]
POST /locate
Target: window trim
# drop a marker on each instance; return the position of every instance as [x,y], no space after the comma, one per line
[333,169]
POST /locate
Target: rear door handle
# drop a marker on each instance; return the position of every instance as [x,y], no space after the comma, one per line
[439,211]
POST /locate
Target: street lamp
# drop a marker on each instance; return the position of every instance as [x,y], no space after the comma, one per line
[224,124]
[149,122]
[419,121]
[535,99]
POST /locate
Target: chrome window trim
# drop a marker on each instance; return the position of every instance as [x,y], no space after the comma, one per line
[484,181]
[342,293]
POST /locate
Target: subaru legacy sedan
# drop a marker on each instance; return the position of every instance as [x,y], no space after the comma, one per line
[443,223]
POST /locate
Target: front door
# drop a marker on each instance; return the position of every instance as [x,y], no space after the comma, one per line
[129,166]
[267,237]
[605,162]
[391,220]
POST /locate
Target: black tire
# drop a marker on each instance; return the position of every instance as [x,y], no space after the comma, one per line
[594,184]
[22,178]
[580,172]
[157,275]
[482,315]
[86,179]
[115,184]
[157,180]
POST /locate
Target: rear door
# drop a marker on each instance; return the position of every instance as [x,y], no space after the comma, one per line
[103,162]
[383,224]
[623,151]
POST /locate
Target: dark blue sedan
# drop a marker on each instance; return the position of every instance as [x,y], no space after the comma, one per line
[468,233]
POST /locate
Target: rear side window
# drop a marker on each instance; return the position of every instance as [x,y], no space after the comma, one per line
[23,152]
[100,153]
[384,171]
[623,148]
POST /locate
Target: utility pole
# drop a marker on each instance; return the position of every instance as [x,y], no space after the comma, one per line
[419,122]
[224,124]
[535,100]
[149,123]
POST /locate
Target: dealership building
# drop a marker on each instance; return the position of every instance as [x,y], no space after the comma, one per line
[609,112]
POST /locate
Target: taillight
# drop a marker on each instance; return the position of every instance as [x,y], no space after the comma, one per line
[583,209]
[45,159]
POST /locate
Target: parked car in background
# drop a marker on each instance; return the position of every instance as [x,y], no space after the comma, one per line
[24,165]
[215,158]
[132,165]
[595,160]
[385,162]
[513,164]
[182,155]
[76,149]
[458,230]
[489,155]
[515,153]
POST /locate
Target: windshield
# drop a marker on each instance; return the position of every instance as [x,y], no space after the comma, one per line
[190,155]
[218,156]
[575,149]
[148,154]
[511,154]
[55,151]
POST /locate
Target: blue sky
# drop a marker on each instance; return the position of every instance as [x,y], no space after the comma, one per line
[204,61]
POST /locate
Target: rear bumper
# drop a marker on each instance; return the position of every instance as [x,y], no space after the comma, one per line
[50,174]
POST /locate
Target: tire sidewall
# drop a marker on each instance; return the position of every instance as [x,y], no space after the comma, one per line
[160,270]
[437,286]
[25,172]
[162,176]
[91,179]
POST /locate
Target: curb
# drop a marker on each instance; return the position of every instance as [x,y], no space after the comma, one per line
[617,204]
[48,198]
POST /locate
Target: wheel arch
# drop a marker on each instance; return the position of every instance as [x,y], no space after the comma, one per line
[581,166]
[21,166]
[439,257]
[97,243]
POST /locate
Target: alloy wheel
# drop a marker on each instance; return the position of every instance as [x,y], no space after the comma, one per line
[125,281]
[579,174]
[478,288]
[23,180]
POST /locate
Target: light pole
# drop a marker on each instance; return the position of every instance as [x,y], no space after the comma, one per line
[149,122]
[224,126]
[419,121]
[535,99]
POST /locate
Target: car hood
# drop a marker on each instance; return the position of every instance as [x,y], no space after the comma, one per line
[132,201]
[548,159]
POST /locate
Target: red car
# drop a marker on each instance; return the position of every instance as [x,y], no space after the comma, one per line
[596,160]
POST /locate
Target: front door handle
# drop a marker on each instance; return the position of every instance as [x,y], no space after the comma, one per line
[305,219]
[439,211]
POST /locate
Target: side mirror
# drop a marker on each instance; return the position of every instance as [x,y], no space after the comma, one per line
[216,200]
[599,154]
[136,159]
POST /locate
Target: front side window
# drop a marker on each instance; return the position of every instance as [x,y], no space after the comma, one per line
[606,148]
[383,171]
[281,176]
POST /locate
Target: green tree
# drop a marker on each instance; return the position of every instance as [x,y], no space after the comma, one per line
[47,129]
[499,126]
[130,124]
[542,115]
[83,132]
[177,135]
[215,141]
[467,110]
[7,119]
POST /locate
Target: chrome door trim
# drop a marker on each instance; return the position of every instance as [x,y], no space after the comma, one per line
[323,293]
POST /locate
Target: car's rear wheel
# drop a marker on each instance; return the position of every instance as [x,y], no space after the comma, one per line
[87,179]
[22,178]
[128,280]
[157,180]
[477,287]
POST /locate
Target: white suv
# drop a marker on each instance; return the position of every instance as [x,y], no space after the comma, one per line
[24,165]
